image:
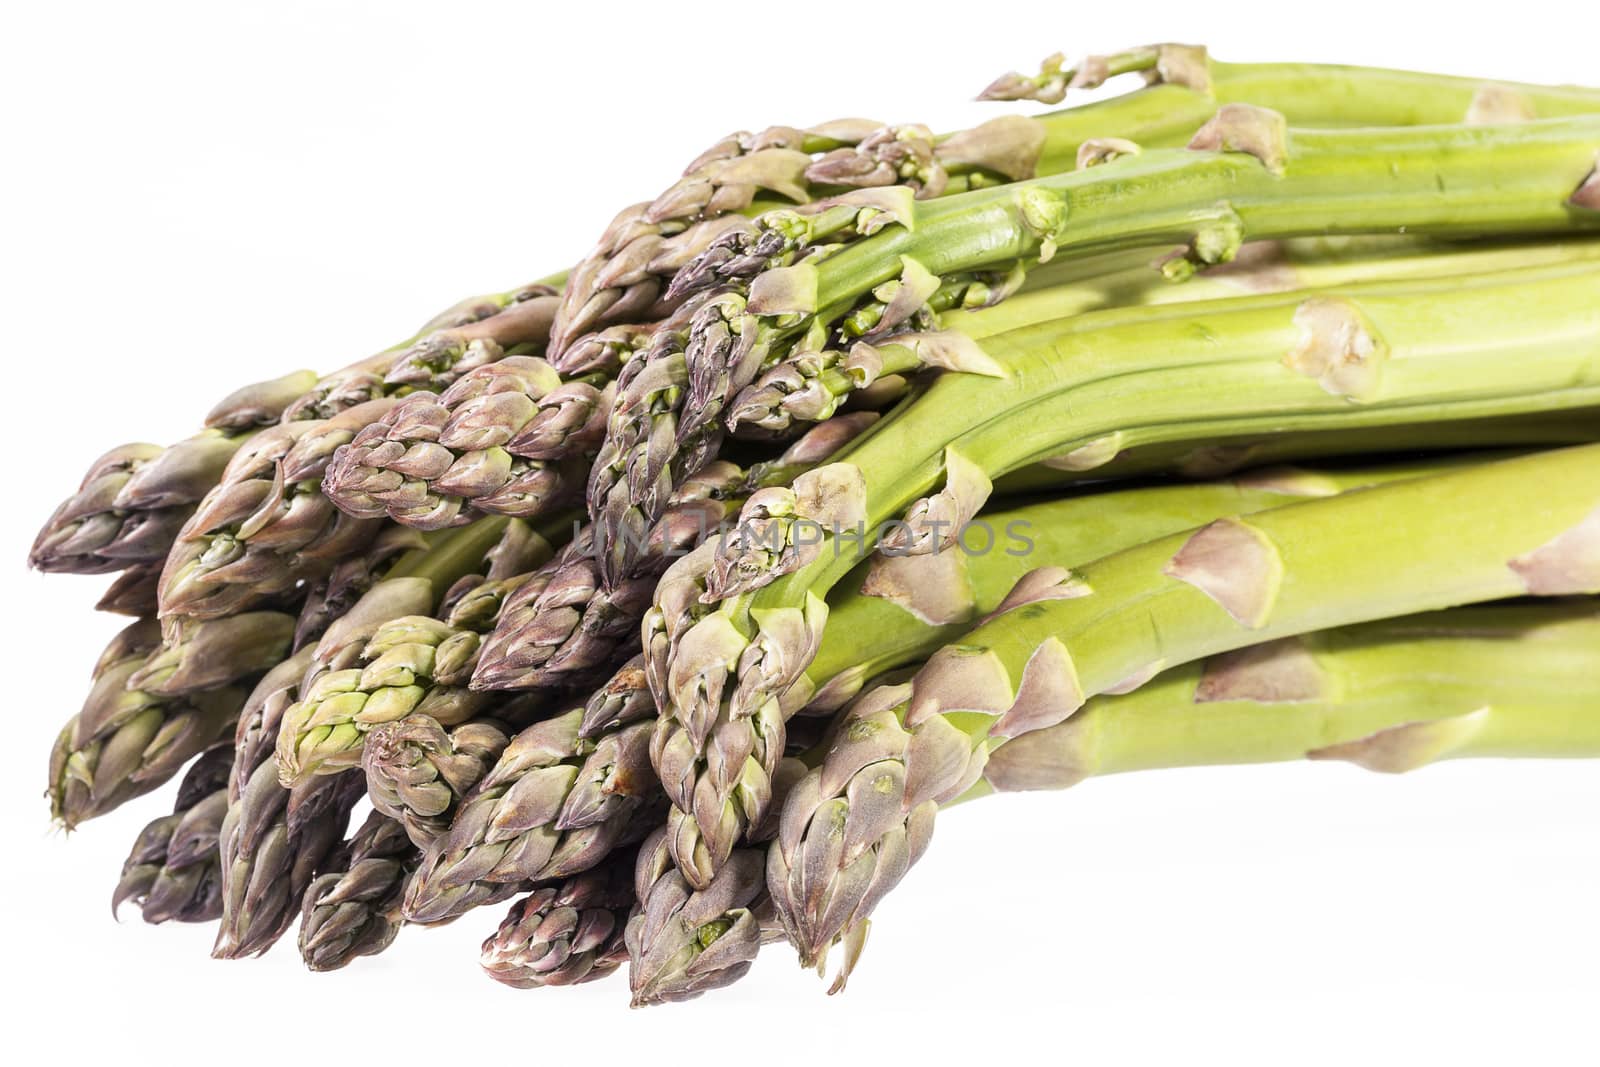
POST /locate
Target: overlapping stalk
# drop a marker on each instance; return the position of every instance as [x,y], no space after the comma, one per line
[1339,359]
[710,353]
[1112,625]
[417,771]
[563,630]
[623,278]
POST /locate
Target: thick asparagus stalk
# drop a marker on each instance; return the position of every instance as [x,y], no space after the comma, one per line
[1389,696]
[1244,176]
[126,741]
[566,933]
[173,873]
[1412,353]
[354,911]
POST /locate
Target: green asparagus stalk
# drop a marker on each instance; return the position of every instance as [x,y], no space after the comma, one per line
[567,933]
[646,246]
[1389,696]
[1411,353]
[808,384]
[353,911]
[1243,176]
[173,872]
[895,610]
[126,741]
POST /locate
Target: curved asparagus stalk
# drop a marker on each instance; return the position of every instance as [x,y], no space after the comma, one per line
[808,385]
[125,741]
[274,841]
[504,439]
[554,804]
[1234,583]
[173,872]
[1507,681]
[417,771]
[720,670]
[566,933]
[354,911]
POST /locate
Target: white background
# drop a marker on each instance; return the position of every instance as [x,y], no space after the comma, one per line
[202,194]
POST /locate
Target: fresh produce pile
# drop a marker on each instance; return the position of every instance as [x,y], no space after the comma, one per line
[862,472]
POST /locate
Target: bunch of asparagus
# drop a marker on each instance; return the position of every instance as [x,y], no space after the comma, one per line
[1247,416]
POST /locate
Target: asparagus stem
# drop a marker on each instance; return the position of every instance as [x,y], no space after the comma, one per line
[1516,680]
[1429,350]
[418,772]
[1243,176]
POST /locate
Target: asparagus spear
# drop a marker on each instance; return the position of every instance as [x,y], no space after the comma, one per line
[558,632]
[125,741]
[173,872]
[130,505]
[388,659]
[417,771]
[353,911]
[553,805]
[1356,358]
[274,841]
[1388,696]
[1244,175]
[505,438]
[683,941]
[266,527]
[566,933]
[646,245]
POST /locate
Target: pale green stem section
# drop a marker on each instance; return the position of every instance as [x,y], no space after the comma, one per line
[1518,681]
